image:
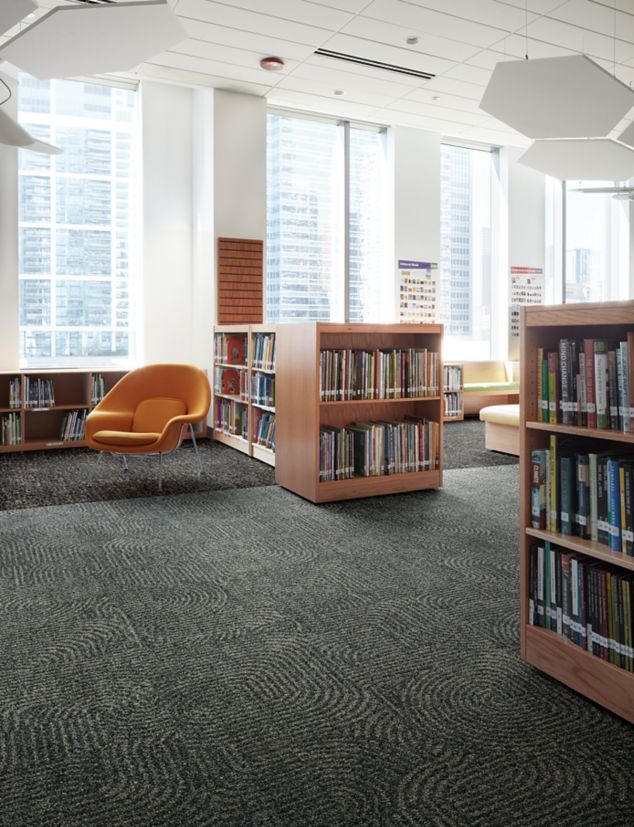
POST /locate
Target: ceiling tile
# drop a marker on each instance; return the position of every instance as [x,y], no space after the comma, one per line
[597,17]
[382,32]
[226,54]
[503,16]
[436,111]
[426,95]
[300,11]
[217,68]
[469,74]
[389,54]
[173,74]
[319,104]
[249,21]
[433,22]
[253,41]
[356,94]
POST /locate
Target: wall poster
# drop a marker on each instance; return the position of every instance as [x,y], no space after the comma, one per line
[418,291]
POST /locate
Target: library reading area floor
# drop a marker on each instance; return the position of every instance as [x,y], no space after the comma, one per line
[243,657]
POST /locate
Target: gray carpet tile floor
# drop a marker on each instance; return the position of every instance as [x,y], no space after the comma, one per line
[74,475]
[243,657]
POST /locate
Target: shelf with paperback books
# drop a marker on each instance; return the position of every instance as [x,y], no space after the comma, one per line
[244,389]
[577,496]
[48,406]
[453,392]
[360,409]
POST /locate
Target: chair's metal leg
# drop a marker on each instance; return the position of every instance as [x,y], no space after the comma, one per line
[125,462]
[198,459]
[160,480]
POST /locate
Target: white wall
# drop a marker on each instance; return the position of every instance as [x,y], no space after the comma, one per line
[415,159]
[167,289]
[9,287]
[239,148]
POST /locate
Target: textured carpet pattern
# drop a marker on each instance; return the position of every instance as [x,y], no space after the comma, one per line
[246,658]
[75,475]
[464,447]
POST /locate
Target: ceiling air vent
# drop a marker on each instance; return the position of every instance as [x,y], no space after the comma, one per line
[375,64]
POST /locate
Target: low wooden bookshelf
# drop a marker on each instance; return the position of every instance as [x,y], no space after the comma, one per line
[40,425]
[453,392]
[248,424]
[609,685]
[301,411]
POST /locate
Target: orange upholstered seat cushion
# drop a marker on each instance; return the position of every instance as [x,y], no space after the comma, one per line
[153,414]
[125,438]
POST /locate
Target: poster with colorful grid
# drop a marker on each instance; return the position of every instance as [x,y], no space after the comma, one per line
[418,291]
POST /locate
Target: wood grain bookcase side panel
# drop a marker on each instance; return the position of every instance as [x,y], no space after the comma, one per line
[301,412]
[597,679]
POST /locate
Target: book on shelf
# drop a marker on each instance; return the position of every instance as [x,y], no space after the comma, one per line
[264,351]
[15,397]
[350,374]
[587,383]
[452,403]
[11,429]
[38,393]
[365,449]
[72,426]
[230,349]
[263,389]
[231,417]
[587,494]
[589,602]
[452,378]
[97,389]
[231,382]
[264,434]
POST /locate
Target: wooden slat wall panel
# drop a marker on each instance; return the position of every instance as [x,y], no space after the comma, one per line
[240,281]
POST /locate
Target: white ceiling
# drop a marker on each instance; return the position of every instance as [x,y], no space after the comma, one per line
[460,41]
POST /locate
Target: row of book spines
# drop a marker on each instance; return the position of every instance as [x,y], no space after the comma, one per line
[263,389]
[231,417]
[73,426]
[590,603]
[366,449]
[230,348]
[265,430]
[452,378]
[264,351]
[11,429]
[97,388]
[453,403]
[38,393]
[586,495]
[15,395]
[378,374]
[587,384]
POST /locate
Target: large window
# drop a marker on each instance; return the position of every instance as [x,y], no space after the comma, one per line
[324,262]
[77,224]
[467,179]
[597,242]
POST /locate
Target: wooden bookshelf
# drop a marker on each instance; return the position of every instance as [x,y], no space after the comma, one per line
[40,426]
[453,392]
[543,327]
[301,412]
[256,373]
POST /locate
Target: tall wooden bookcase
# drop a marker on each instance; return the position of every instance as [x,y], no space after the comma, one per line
[40,426]
[300,412]
[250,407]
[603,682]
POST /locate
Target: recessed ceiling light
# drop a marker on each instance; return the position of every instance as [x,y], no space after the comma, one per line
[412,40]
[435,97]
[338,92]
[272,64]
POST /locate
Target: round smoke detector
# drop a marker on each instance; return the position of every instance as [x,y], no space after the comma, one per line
[272,64]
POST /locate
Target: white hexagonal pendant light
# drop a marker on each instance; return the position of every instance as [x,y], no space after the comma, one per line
[557,97]
[627,136]
[12,11]
[590,159]
[93,39]
[12,134]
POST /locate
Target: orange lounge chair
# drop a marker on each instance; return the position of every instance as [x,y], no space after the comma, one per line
[148,411]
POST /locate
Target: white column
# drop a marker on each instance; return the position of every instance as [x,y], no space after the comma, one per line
[9,287]
[415,161]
